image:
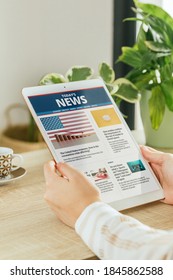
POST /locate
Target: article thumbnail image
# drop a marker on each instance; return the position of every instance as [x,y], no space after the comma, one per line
[136,166]
[100,174]
[69,129]
[105,117]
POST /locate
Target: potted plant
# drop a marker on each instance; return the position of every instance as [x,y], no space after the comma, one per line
[27,137]
[151,59]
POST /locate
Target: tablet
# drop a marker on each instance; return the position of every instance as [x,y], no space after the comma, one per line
[82,125]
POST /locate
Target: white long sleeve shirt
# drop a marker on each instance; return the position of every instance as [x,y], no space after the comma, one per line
[112,235]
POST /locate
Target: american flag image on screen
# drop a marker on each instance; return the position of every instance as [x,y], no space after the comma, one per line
[67,126]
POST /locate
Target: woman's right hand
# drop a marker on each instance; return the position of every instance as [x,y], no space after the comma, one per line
[162,165]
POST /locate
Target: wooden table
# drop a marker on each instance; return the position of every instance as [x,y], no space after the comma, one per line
[30,230]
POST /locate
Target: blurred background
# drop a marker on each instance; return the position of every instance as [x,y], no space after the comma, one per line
[42,36]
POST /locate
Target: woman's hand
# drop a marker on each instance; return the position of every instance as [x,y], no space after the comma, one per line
[162,165]
[68,194]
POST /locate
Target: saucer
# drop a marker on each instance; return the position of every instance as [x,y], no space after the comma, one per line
[16,174]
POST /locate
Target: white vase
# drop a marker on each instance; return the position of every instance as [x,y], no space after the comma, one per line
[163,137]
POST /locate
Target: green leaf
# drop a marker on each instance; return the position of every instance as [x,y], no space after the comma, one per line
[52,78]
[141,38]
[132,18]
[156,107]
[79,73]
[161,31]
[106,72]
[141,79]
[131,56]
[167,88]
[126,91]
[155,11]
[158,47]
[112,88]
[166,72]
[158,21]
[149,60]
[121,81]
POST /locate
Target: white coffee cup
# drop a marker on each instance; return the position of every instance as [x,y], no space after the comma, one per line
[6,161]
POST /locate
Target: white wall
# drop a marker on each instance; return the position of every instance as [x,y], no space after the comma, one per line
[156,2]
[168,6]
[41,36]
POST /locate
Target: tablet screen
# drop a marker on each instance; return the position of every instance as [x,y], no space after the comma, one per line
[82,126]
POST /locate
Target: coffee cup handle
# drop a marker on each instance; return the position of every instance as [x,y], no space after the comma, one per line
[20,162]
